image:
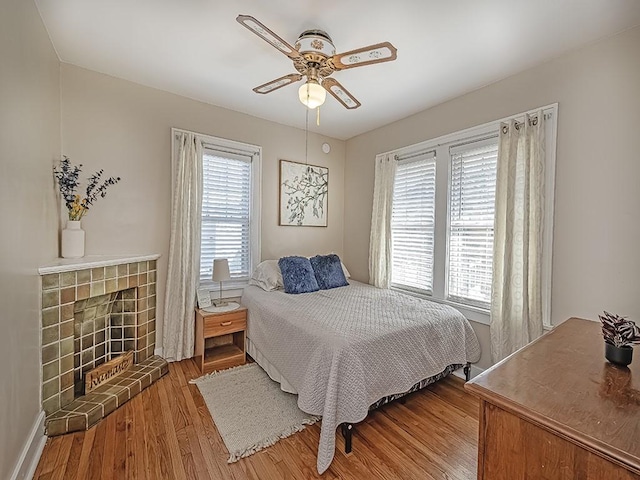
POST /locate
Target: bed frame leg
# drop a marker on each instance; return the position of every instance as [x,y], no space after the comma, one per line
[467,371]
[347,432]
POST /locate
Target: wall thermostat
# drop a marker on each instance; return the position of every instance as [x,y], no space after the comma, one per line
[326,148]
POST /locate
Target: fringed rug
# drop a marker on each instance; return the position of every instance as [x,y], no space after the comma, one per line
[249,409]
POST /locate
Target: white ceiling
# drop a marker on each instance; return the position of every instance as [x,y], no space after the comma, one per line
[195,48]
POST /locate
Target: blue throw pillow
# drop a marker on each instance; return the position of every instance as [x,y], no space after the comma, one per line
[328,271]
[297,275]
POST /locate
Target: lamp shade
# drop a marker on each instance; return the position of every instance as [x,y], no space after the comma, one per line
[312,94]
[220,270]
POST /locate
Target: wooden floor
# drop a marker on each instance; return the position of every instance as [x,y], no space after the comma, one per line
[166,432]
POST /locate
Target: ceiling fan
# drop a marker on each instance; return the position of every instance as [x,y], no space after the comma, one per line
[315,58]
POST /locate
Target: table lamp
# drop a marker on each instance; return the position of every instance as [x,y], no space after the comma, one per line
[220,274]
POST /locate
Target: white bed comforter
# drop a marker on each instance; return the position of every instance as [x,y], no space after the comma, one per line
[343,349]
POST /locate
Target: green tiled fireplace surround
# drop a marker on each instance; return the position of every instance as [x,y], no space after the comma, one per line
[124,296]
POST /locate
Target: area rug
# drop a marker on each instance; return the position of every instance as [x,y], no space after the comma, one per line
[249,409]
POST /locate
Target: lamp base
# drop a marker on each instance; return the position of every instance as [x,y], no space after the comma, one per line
[220,303]
[222,309]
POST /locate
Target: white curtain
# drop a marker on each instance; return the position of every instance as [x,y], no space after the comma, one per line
[184,249]
[516,303]
[380,241]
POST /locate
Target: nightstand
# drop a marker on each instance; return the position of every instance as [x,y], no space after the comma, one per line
[220,339]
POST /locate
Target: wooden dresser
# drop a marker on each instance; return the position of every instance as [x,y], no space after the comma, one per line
[558,410]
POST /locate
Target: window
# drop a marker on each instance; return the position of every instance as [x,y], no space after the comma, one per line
[230,225]
[413,222]
[472,193]
[226,213]
[443,212]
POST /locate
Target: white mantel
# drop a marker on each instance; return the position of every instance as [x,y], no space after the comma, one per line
[91,261]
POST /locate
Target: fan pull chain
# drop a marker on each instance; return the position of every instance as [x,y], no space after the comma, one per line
[306,137]
[318,116]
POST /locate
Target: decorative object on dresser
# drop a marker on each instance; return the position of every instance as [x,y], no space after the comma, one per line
[220,339]
[554,410]
[619,335]
[304,191]
[67,176]
[250,410]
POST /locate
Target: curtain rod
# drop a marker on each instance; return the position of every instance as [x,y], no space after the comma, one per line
[533,120]
[414,155]
[469,140]
[242,153]
[547,111]
[212,140]
[211,146]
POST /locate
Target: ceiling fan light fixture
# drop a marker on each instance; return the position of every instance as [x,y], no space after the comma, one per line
[312,94]
[314,57]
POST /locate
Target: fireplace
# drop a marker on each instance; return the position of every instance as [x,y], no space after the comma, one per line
[93,310]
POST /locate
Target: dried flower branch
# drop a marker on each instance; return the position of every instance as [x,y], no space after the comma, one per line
[619,331]
[67,176]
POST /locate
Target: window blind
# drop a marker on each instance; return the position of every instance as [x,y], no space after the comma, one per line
[471,210]
[226,213]
[413,221]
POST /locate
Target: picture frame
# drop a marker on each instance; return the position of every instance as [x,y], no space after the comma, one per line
[204,298]
[303,194]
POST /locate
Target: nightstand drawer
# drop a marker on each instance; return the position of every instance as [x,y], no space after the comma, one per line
[216,325]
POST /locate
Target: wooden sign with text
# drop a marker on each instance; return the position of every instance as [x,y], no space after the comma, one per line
[105,372]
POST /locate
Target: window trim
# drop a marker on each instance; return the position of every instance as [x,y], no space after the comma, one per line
[255,220]
[472,134]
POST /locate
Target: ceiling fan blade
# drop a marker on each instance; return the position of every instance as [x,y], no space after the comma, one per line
[340,93]
[278,83]
[263,32]
[378,53]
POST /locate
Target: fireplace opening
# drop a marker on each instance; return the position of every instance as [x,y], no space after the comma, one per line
[104,328]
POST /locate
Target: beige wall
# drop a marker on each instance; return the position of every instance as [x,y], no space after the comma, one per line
[29,144]
[125,128]
[596,261]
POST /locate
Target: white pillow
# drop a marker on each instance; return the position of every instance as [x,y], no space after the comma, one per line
[344,269]
[267,276]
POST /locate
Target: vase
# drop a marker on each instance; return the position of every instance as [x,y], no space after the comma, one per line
[73,240]
[618,355]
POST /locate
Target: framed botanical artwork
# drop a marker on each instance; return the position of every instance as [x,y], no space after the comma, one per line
[304,192]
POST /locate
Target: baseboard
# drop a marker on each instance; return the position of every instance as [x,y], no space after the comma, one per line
[30,455]
[158,351]
[475,371]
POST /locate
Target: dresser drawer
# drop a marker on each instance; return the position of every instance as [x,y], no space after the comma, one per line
[215,325]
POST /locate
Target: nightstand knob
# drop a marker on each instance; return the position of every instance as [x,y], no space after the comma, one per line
[225,324]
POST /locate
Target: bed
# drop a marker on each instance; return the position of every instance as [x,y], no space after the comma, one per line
[347,349]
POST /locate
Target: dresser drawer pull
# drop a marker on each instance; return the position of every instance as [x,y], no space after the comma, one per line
[225,324]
